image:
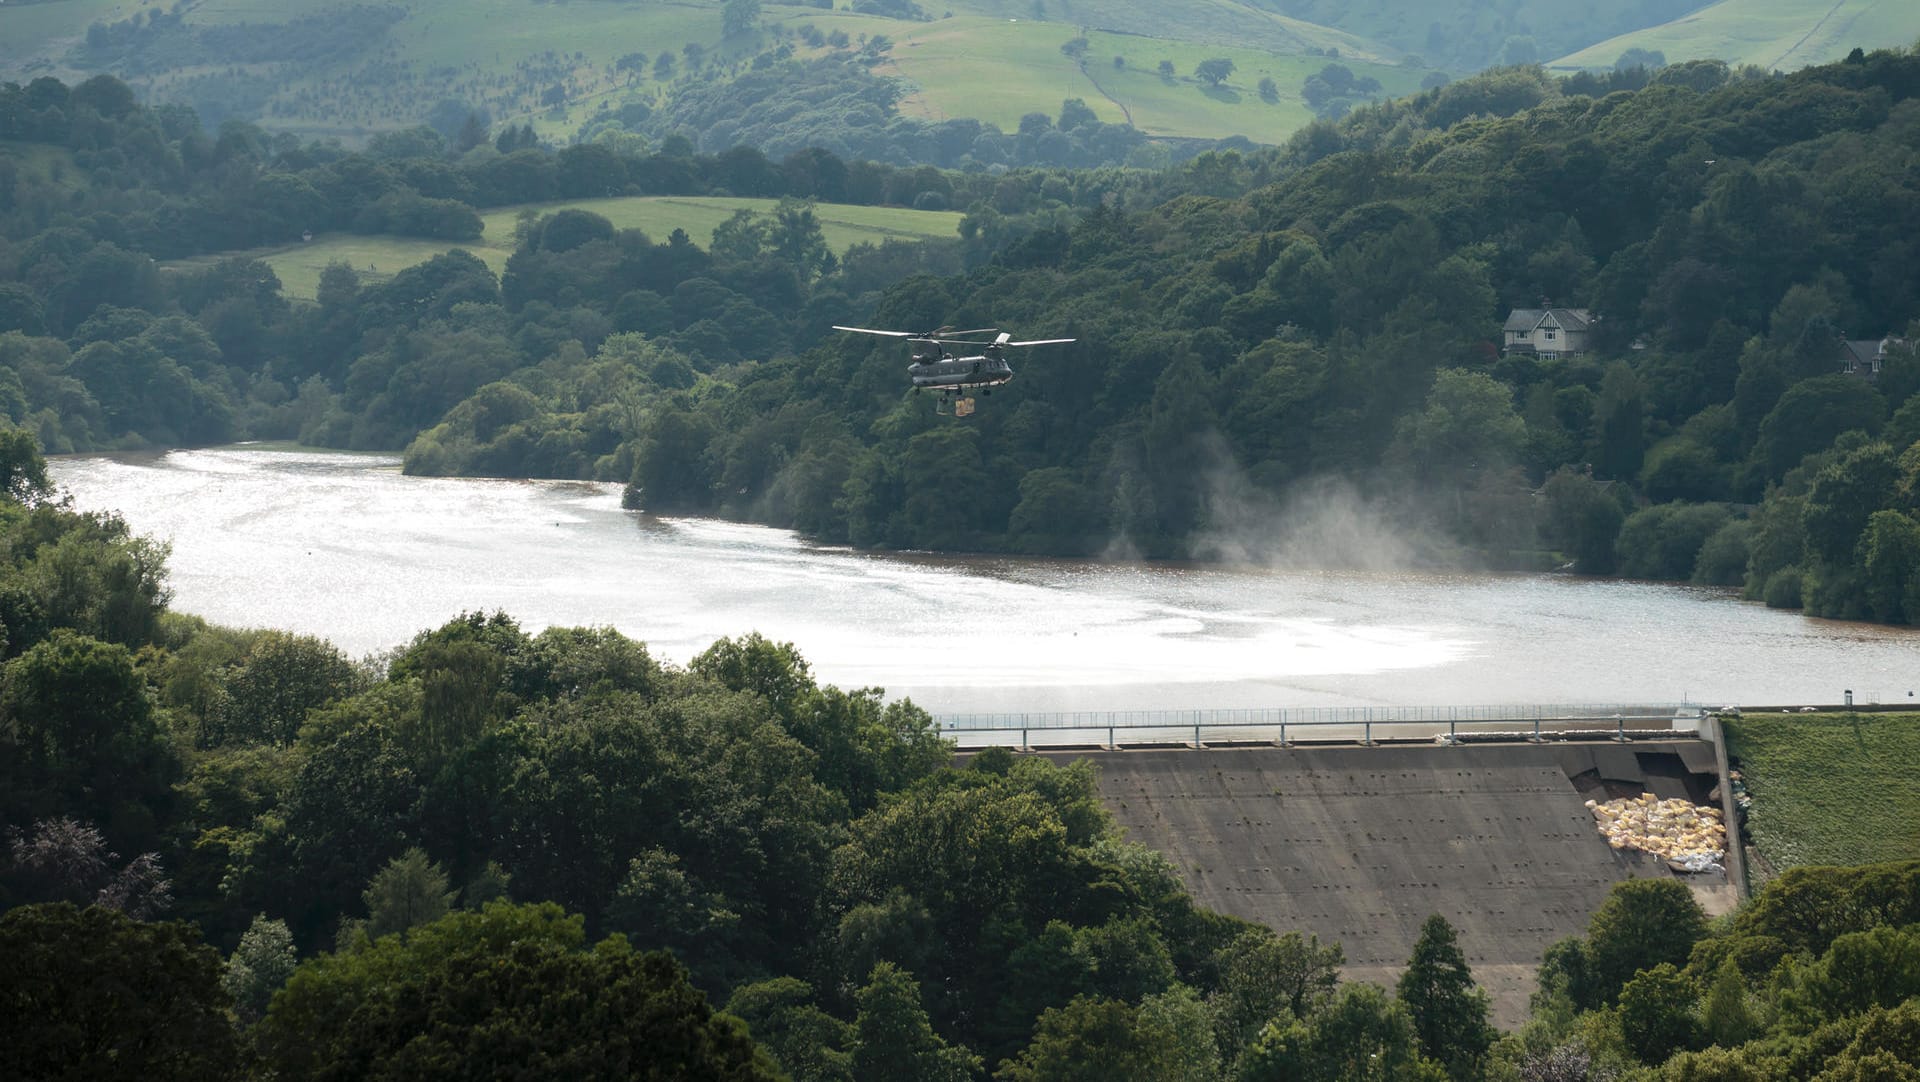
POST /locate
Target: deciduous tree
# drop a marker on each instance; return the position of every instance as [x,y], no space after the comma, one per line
[893,1041]
[1643,923]
[92,992]
[510,989]
[1214,70]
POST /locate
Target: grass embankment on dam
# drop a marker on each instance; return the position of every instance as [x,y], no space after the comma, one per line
[1830,788]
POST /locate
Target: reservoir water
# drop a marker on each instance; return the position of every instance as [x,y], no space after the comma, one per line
[345,547]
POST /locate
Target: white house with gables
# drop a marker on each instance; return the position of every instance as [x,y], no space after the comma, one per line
[1548,332]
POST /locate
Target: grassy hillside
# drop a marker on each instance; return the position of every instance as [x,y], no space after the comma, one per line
[1782,34]
[1831,789]
[361,70]
[1209,22]
[997,72]
[380,258]
[27,30]
[1471,34]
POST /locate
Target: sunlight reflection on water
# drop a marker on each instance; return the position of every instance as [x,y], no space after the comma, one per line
[345,547]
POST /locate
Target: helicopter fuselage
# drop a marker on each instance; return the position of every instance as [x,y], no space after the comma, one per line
[947,372]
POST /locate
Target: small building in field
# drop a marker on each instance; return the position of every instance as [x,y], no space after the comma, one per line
[1547,332]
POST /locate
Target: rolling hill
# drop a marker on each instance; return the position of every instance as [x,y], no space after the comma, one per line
[353,68]
[357,67]
[1472,34]
[1772,34]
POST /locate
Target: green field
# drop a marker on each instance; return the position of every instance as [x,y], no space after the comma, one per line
[1831,788]
[380,258]
[998,72]
[1783,34]
[27,29]
[988,59]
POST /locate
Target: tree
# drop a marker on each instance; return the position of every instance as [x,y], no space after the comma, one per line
[1664,541]
[1656,1013]
[260,966]
[1890,565]
[281,678]
[1569,1062]
[1361,1035]
[1583,518]
[348,812]
[23,473]
[1643,923]
[20,310]
[85,989]
[1726,1019]
[1808,418]
[1094,1040]
[1194,1054]
[1619,423]
[1845,495]
[795,238]
[64,860]
[1264,977]
[78,739]
[1449,1011]
[1214,70]
[893,1041]
[473,132]
[1269,90]
[807,1042]
[1469,424]
[509,990]
[738,17]
[409,891]
[658,906]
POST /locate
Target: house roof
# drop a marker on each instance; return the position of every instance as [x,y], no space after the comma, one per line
[1569,319]
[1862,351]
[1525,320]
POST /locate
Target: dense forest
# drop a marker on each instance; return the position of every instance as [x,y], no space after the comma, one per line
[238,854]
[1275,347]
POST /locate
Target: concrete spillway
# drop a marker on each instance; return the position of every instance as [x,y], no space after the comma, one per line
[1361,844]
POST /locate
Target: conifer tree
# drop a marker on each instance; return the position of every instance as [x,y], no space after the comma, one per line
[409,891]
[1449,1012]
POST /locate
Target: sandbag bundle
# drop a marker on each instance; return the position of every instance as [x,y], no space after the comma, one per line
[1678,830]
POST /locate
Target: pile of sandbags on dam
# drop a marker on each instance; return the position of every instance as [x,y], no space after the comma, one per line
[1688,836]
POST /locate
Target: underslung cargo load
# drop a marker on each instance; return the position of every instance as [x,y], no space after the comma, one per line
[1689,836]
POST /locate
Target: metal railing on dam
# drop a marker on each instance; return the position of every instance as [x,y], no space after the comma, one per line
[1317,724]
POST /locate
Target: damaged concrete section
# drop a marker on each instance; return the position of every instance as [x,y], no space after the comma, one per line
[1361,844]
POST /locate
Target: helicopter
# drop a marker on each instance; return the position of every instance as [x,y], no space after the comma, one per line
[934,365]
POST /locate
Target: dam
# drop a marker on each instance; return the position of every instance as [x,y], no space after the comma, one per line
[1359,844]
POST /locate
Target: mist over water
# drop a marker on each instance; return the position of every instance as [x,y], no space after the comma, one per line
[345,547]
[1325,524]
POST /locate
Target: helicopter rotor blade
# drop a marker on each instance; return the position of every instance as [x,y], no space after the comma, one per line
[1041,342]
[869,330]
